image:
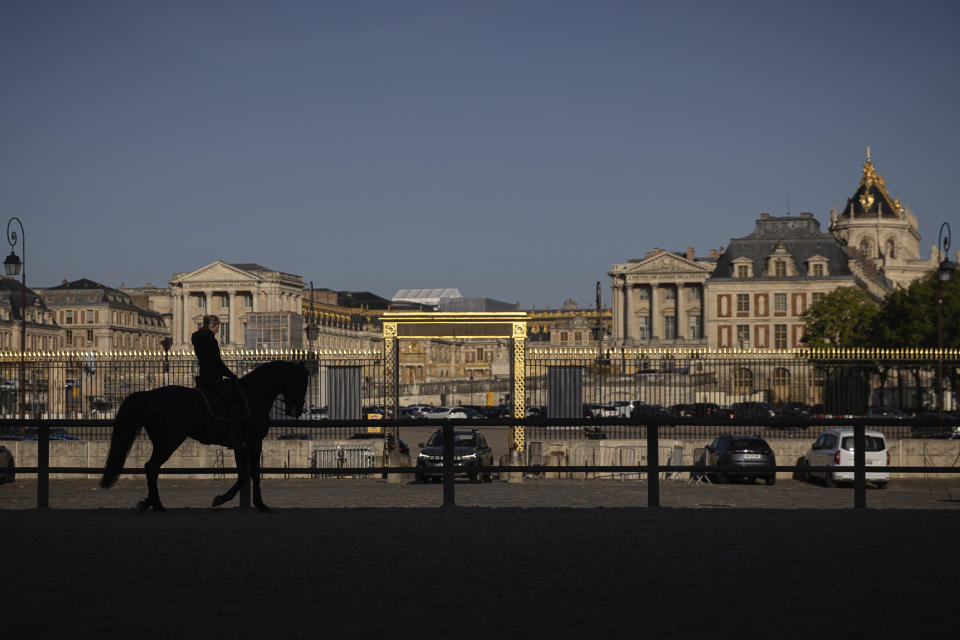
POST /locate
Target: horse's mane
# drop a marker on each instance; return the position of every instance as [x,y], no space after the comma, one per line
[268,368]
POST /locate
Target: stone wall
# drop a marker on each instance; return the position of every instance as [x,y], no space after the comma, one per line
[298,453]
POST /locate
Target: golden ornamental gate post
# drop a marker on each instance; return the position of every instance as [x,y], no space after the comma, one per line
[391,389]
[519,374]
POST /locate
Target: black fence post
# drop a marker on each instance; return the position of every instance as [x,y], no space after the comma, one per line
[653,463]
[245,487]
[43,465]
[859,466]
[448,495]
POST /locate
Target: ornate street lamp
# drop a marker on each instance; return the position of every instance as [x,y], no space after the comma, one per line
[944,274]
[13,266]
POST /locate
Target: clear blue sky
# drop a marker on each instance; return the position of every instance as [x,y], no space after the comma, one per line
[512,149]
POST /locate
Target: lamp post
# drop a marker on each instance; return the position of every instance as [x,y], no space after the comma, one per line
[14,266]
[944,274]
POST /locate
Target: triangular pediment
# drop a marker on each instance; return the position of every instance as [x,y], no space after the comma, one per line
[667,263]
[218,271]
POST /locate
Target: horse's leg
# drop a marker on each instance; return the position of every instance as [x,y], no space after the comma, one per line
[255,449]
[243,472]
[161,453]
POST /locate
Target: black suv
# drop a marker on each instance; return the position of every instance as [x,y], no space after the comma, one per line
[749,456]
[470,450]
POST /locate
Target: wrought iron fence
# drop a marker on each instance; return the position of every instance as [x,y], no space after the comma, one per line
[823,383]
[559,383]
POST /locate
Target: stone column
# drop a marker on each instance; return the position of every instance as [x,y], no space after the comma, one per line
[654,318]
[234,326]
[616,310]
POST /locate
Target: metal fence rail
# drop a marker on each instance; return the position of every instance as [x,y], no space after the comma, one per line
[655,457]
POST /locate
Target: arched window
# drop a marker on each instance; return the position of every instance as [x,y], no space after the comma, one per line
[866,246]
[743,381]
[781,377]
[891,248]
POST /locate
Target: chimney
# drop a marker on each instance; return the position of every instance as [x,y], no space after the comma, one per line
[714,254]
[764,216]
[64,282]
[690,253]
[647,255]
[657,251]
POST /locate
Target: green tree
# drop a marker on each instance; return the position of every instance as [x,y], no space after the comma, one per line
[908,317]
[843,318]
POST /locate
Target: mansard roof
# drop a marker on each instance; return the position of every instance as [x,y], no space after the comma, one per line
[799,236]
[871,199]
[82,283]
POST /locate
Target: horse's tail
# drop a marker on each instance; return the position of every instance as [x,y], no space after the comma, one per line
[126,426]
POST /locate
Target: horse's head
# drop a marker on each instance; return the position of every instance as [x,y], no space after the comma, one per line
[295,388]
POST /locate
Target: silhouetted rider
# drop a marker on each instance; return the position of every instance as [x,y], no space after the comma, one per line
[215,377]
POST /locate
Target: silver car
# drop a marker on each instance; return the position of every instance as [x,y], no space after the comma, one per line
[834,448]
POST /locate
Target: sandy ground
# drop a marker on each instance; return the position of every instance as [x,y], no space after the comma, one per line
[480,572]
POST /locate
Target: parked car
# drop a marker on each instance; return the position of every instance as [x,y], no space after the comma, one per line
[682,410]
[890,413]
[749,456]
[798,409]
[497,411]
[470,450]
[56,433]
[648,411]
[708,410]
[7,467]
[834,448]
[443,413]
[752,410]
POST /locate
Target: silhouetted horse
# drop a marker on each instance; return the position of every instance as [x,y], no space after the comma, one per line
[172,414]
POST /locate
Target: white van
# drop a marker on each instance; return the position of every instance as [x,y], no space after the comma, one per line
[834,448]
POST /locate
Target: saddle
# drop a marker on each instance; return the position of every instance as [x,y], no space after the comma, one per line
[218,409]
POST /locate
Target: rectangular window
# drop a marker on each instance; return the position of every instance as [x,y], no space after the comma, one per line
[818,270]
[248,301]
[670,293]
[670,327]
[643,331]
[743,336]
[742,271]
[69,337]
[69,317]
[578,337]
[90,316]
[224,332]
[225,300]
[779,336]
[696,328]
[743,303]
[479,353]
[779,303]
[202,302]
[643,293]
[89,336]
[780,269]
[817,297]
[563,336]
[695,293]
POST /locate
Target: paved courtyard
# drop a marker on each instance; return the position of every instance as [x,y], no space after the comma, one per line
[366,559]
[930,492]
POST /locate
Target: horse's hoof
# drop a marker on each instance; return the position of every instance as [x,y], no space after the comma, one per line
[219,500]
[142,506]
[159,507]
[263,508]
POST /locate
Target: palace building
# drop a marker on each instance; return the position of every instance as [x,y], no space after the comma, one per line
[882,230]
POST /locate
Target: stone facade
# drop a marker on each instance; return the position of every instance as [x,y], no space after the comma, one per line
[258,307]
[42,331]
[763,283]
[658,301]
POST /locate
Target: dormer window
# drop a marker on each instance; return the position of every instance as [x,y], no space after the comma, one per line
[817,267]
[743,268]
[780,263]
